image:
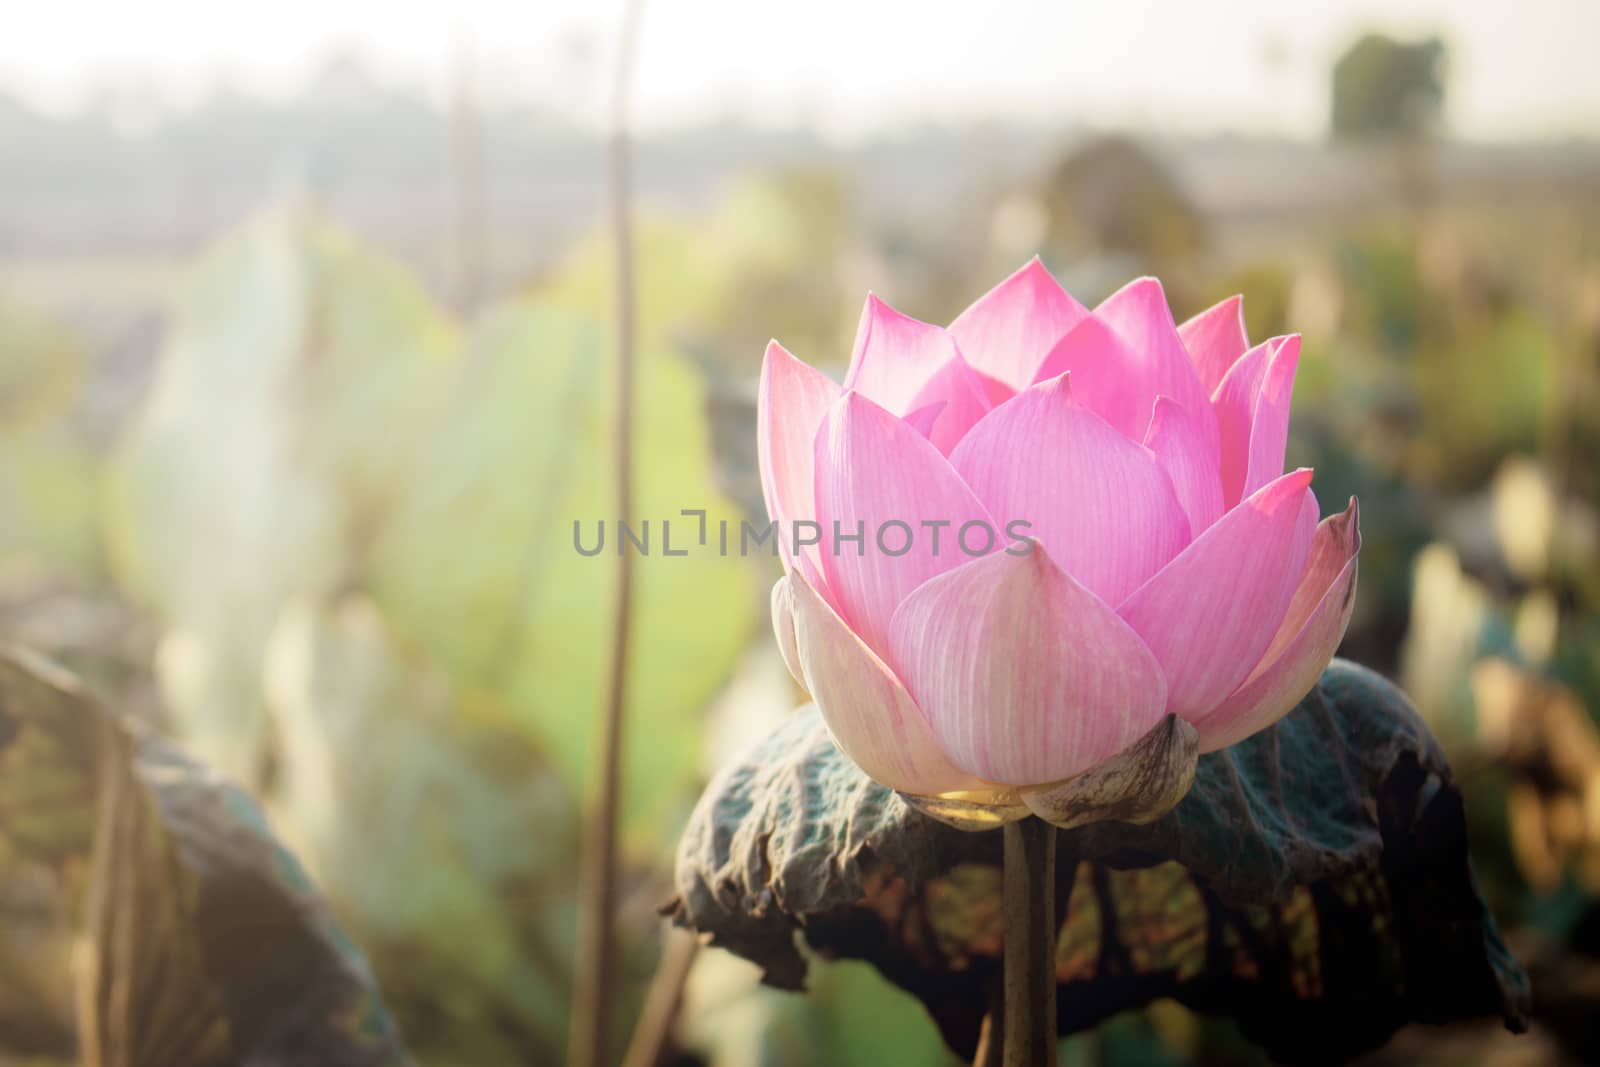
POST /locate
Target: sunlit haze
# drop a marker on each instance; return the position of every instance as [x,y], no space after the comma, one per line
[1517,70]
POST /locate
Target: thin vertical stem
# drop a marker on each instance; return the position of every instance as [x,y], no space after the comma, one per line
[991,1035]
[653,1033]
[1030,944]
[588,1042]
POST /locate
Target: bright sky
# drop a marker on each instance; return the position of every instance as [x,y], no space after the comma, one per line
[1519,68]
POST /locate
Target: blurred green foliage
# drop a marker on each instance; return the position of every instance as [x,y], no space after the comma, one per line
[47,467]
[849,1017]
[478,565]
[720,287]
[353,521]
[1113,197]
[346,518]
[1383,86]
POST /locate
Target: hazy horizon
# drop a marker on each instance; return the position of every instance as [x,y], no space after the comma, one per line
[1249,68]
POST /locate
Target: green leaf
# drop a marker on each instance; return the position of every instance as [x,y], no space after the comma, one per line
[1314,884]
[48,469]
[296,375]
[206,944]
[437,829]
[316,425]
[479,564]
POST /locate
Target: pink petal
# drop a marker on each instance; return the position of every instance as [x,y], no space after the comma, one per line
[1100,503]
[872,469]
[1269,424]
[1139,313]
[964,399]
[1210,613]
[994,390]
[868,711]
[1006,333]
[794,398]
[1174,437]
[1108,376]
[1305,642]
[1234,402]
[907,366]
[1026,676]
[922,419]
[1336,541]
[783,627]
[895,355]
[1215,339]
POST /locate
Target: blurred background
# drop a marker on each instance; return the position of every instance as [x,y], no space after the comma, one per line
[304,360]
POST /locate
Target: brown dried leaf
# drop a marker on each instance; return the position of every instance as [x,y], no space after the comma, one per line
[1313,884]
[207,945]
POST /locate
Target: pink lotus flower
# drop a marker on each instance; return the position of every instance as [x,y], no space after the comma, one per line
[1176,568]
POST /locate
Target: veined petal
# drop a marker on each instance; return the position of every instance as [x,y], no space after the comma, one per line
[1215,339]
[964,397]
[1025,676]
[794,399]
[872,470]
[1210,613]
[1100,503]
[907,367]
[1108,376]
[869,712]
[1006,333]
[895,355]
[1140,314]
[1269,422]
[922,419]
[994,390]
[1174,437]
[1234,401]
[1305,642]
[783,627]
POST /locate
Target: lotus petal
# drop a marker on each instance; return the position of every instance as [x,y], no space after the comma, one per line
[1006,333]
[794,398]
[783,627]
[1139,784]
[922,419]
[1236,401]
[1108,376]
[873,470]
[1210,613]
[1100,503]
[1305,642]
[1175,439]
[1024,674]
[1139,312]
[965,400]
[895,355]
[1269,423]
[869,713]
[1215,339]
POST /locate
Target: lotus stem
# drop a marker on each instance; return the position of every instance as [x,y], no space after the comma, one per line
[593,997]
[1029,993]
[989,1052]
[662,1003]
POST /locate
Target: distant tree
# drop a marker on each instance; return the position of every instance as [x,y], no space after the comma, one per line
[1388,88]
[1111,196]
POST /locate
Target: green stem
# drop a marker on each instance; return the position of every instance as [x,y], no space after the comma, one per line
[1030,944]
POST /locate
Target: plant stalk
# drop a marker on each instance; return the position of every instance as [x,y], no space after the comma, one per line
[1029,961]
[594,995]
[653,1034]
